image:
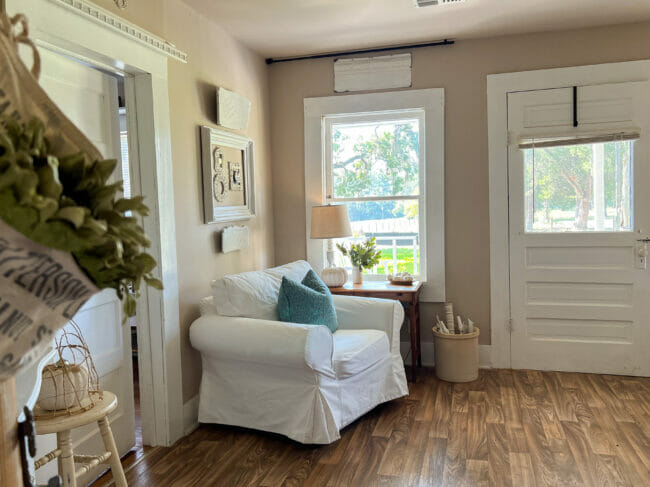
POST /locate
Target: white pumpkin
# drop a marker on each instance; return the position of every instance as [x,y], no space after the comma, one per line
[334,276]
[64,386]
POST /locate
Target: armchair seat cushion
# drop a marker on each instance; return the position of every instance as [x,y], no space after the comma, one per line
[358,350]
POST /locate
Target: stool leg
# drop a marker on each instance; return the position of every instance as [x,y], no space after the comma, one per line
[109,444]
[66,460]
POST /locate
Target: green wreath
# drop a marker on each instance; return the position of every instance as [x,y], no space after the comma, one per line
[66,202]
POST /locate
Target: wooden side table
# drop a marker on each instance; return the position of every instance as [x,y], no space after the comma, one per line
[409,296]
[62,426]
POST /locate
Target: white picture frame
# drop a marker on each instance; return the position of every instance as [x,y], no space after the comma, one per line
[213,211]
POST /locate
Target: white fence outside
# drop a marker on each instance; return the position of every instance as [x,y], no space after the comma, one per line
[389,232]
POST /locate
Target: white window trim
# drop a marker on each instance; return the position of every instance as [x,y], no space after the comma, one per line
[429,100]
[498,87]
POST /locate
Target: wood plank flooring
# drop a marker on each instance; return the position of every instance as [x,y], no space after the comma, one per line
[508,428]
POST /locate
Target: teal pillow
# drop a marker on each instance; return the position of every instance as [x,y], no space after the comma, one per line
[308,303]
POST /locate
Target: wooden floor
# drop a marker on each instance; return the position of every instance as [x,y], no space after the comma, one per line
[508,428]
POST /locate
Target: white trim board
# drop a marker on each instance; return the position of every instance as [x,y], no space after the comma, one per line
[498,87]
[432,101]
[66,28]
[428,359]
[126,28]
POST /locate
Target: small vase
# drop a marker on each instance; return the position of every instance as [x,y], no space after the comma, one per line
[357,275]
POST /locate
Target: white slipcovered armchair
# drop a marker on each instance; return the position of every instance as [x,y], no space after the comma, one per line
[298,380]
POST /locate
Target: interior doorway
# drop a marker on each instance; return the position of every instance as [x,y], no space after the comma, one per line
[126,171]
[99,38]
[94,100]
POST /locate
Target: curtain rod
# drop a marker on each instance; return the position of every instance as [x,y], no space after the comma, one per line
[445,42]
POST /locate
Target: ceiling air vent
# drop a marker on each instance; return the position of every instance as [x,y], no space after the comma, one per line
[428,3]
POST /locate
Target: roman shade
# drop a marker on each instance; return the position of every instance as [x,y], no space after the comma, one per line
[539,142]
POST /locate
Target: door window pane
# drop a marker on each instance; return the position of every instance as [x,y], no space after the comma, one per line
[579,188]
[375,159]
[395,225]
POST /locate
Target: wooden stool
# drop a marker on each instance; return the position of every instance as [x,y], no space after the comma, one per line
[62,426]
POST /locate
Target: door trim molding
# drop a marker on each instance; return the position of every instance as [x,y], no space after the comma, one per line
[498,87]
[55,24]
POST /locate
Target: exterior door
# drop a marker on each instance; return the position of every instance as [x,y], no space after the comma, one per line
[88,97]
[579,212]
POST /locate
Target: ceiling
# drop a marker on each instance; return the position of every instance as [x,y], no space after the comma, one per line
[282,28]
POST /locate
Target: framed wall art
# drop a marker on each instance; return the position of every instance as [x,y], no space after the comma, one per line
[228,186]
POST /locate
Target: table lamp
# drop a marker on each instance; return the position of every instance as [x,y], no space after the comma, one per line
[331,221]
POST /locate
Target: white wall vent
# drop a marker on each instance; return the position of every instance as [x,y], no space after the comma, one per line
[372,73]
[428,3]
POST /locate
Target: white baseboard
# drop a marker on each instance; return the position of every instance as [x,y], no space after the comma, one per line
[191,415]
[484,354]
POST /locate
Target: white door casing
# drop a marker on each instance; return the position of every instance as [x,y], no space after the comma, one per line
[578,301]
[88,98]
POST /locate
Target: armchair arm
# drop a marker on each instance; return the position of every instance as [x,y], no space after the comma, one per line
[355,312]
[263,341]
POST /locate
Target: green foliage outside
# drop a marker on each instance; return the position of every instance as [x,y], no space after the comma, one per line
[404,260]
[382,163]
[559,184]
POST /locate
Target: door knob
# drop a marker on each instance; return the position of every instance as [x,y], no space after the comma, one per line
[642,253]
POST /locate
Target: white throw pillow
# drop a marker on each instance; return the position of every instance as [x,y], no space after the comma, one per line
[254,294]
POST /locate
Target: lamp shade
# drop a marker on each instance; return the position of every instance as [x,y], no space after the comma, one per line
[330,221]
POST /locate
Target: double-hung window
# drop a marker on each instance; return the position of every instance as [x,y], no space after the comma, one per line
[370,152]
[374,164]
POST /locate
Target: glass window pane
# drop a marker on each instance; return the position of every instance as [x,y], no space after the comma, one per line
[395,226]
[375,159]
[579,188]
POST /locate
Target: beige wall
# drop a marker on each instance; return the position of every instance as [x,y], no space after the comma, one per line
[215,58]
[461,70]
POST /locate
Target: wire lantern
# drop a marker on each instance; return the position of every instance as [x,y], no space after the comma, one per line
[71,384]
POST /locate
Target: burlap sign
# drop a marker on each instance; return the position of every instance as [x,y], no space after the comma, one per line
[41,289]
